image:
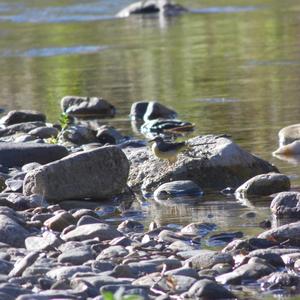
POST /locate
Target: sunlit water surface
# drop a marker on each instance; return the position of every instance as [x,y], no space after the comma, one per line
[229,67]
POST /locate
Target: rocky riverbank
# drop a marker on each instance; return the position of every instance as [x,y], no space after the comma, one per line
[55,243]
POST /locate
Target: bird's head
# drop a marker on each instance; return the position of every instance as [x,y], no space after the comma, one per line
[157,139]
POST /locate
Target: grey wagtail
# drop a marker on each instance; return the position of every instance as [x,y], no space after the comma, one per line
[165,150]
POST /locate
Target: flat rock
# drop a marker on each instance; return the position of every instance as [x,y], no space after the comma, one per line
[265,184]
[112,252]
[90,231]
[44,132]
[20,116]
[19,154]
[76,256]
[67,271]
[20,127]
[98,174]
[286,204]
[212,162]
[87,106]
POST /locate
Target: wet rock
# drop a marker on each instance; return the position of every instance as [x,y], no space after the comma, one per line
[265,184]
[179,188]
[108,135]
[18,128]
[48,241]
[11,232]
[286,204]
[286,233]
[87,107]
[20,116]
[19,154]
[24,263]
[76,256]
[207,259]
[78,135]
[84,232]
[144,110]
[130,226]
[223,238]
[208,289]
[212,162]
[112,252]
[60,221]
[99,174]
[150,7]
[279,280]
[44,132]
[254,269]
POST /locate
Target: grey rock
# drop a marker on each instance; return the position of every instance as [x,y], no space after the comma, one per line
[150,6]
[67,271]
[23,138]
[200,229]
[180,188]
[23,263]
[99,174]
[207,259]
[286,204]
[279,280]
[14,185]
[13,290]
[181,246]
[21,202]
[289,232]
[90,231]
[47,242]
[102,266]
[208,289]
[112,252]
[131,226]
[250,271]
[21,127]
[84,212]
[30,166]
[271,255]
[189,272]
[169,236]
[212,162]
[20,116]
[60,221]
[78,135]
[5,266]
[265,184]
[108,135]
[123,271]
[44,132]
[76,256]
[87,106]
[138,110]
[19,154]
[85,220]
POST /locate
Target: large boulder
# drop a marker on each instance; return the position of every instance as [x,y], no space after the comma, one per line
[20,116]
[19,154]
[97,174]
[211,162]
[265,184]
[87,107]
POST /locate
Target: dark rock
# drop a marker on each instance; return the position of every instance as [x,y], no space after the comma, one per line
[286,204]
[223,238]
[60,221]
[99,174]
[108,135]
[67,271]
[279,280]
[76,256]
[286,233]
[12,290]
[90,231]
[208,289]
[212,162]
[179,188]
[19,154]
[265,184]
[112,252]
[20,116]
[44,132]
[87,107]
[78,214]
[21,127]
[5,267]
[78,135]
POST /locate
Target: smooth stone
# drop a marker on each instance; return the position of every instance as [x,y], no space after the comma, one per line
[208,289]
[11,232]
[265,184]
[108,135]
[48,241]
[121,241]
[87,106]
[24,138]
[13,290]
[289,232]
[130,226]
[67,271]
[84,232]
[60,221]
[18,128]
[289,134]
[98,174]
[85,220]
[145,110]
[179,246]
[213,162]
[23,263]
[14,185]
[44,132]
[78,214]
[249,272]
[189,272]
[112,252]
[179,188]
[102,266]
[78,135]
[279,280]
[42,217]
[76,256]
[201,229]
[123,271]
[207,259]
[21,116]
[169,236]
[286,204]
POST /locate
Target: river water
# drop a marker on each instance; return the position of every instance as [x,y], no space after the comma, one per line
[230,66]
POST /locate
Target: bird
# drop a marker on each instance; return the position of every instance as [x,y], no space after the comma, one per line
[166,150]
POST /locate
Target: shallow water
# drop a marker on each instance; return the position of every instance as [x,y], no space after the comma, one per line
[231,67]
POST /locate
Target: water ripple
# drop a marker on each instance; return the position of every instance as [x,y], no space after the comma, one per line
[224,9]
